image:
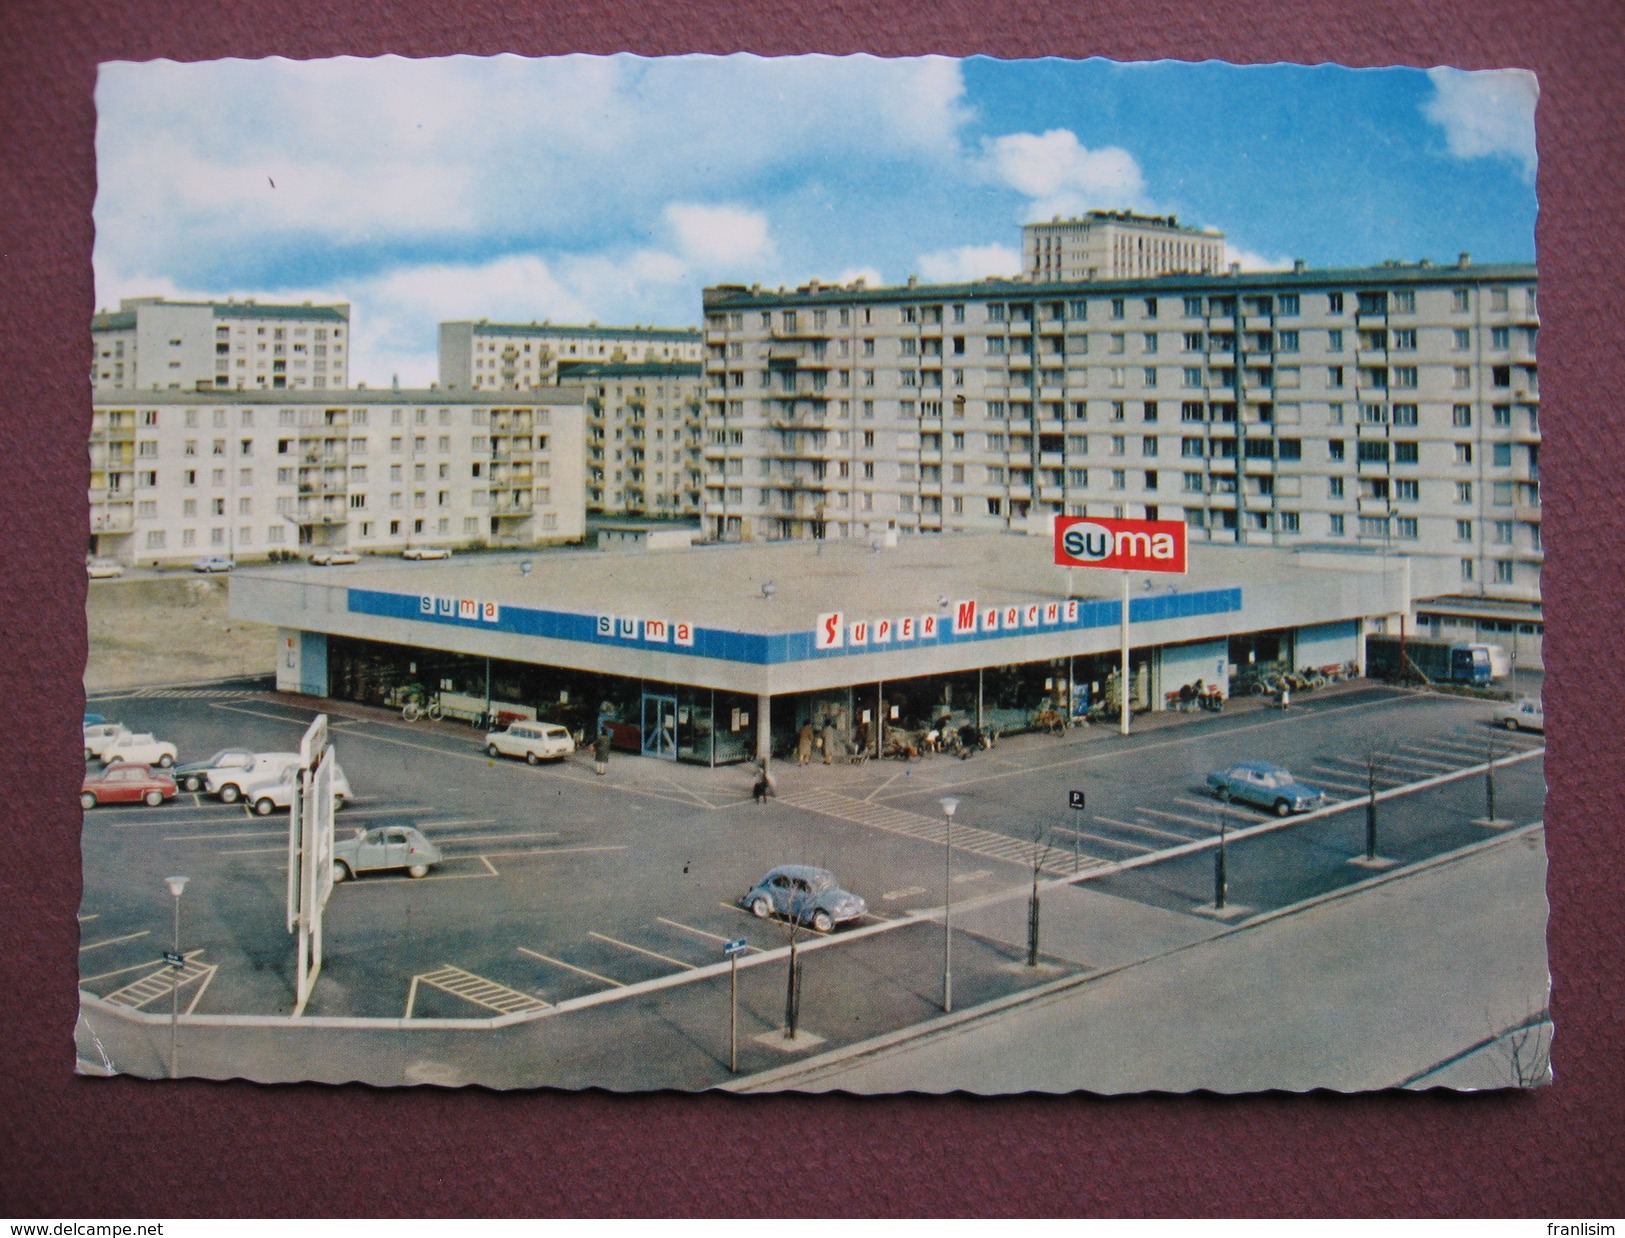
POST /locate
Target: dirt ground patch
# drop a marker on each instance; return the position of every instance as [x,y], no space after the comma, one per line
[171,629]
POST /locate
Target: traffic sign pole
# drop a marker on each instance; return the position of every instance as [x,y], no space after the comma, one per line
[1076,800]
[733,950]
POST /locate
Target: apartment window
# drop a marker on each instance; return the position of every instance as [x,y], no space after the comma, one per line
[1193,307]
[1501,455]
[1119,479]
[1404,302]
[1334,449]
[1373,451]
[1464,453]
[1501,494]
[1407,490]
[1193,376]
[1461,377]
[1407,453]
[1335,487]
[1150,342]
[1503,571]
[1467,571]
[1334,376]
[1461,303]
[1193,483]
[1404,376]
[1373,526]
[1335,525]
[1405,527]
[1334,302]
[1119,307]
[1464,530]
[1501,415]
[1148,376]
[1464,492]
[1286,341]
[1404,414]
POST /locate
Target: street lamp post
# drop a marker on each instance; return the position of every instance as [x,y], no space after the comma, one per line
[949,804]
[176,886]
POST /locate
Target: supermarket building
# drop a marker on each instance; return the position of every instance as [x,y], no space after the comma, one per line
[716,654]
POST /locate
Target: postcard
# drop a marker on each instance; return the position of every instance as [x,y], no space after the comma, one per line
[819,574]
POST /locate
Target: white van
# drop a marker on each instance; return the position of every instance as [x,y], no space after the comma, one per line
[229,784]
[535,741]
[1500,663]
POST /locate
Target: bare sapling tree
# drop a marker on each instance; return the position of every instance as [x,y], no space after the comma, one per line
[1376,760]
[1042,849]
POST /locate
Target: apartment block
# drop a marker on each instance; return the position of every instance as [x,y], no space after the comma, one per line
[150,344]
[497,356]
[1117,245]
[643,435]
[176,474]
[1395,406]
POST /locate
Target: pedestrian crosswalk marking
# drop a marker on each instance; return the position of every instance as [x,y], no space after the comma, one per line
[475,989]
[932,829]
[162,982]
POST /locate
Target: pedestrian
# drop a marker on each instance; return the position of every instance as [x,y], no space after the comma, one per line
[1286,697]
[829,744]
[804,744]
[764,789]
[600,751]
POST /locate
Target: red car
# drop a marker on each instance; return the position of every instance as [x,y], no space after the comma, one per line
[126,784]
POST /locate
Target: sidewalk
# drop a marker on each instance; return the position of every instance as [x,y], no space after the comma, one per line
[1385,983]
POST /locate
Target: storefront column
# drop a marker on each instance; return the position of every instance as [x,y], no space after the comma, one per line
[978,700]
[764,726]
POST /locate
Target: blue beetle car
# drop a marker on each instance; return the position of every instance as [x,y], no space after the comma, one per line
[804,895]
[1267,786]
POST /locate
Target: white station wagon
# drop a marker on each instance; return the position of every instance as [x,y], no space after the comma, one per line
[535,741]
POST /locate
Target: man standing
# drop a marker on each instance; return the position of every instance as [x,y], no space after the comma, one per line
[600,750]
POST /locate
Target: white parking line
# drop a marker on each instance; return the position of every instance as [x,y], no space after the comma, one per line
[474,838]
[1143,829]
[689,928]
[551,851]
[1204,823]
[446,825]
[591,975]
[1118,842]
[215,838]
[113,941]
[664,958]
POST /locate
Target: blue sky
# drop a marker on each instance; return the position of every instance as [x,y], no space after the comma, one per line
[613,189]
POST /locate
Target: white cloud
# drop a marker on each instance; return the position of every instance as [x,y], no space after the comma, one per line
[869,275]
[720,235]
[1487,113]
[969,263]
[1061,176]
[1250,261]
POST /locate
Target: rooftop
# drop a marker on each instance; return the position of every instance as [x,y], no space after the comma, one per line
[687,335]
[725,586]
[343,397]
[1387,275]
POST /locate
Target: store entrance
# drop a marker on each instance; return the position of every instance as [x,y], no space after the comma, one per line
[660,726]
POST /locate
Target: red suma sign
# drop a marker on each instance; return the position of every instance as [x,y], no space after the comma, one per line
[1131,545]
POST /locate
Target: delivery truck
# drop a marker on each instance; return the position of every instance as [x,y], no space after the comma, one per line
[1430,661]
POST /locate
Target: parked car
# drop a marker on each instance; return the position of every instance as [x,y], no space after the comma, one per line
[192,775]
[94,720]
[272,792]
[1268,786]
[804,894]
[388,846]
[103,569]
[100,736]
[1524,714]
[535,741]
[333,558]
[425,552]
[126,784]
[141,749]
[228,783]
[212,563]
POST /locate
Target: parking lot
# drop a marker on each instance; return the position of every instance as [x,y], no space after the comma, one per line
[562,888]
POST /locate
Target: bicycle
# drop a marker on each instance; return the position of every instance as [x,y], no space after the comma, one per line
[419,704]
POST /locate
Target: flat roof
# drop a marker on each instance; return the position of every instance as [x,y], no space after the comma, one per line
[722,586]
[687,335]
[342,397]
[1374,278]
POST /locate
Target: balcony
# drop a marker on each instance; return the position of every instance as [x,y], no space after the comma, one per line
[1529,513]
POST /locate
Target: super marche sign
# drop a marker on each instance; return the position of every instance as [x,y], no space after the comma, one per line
[1130,545]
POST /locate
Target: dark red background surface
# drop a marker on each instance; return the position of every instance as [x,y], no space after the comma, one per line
[72,1147]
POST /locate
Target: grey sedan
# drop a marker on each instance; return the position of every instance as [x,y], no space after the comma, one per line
[1268,786]
[804,895]
[388,846]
